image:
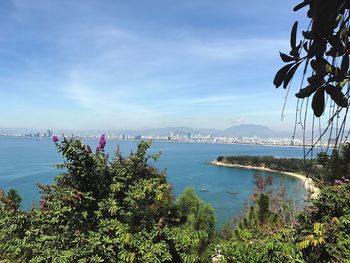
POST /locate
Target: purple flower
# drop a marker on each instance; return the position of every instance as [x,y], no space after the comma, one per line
[55,138]
[346,180]
[102,142]
[98,149]
[338,182]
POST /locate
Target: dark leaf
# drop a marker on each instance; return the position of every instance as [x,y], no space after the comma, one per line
[308,34]
[306,47]
[345,63]
[321,48]
[318,102]
[290,75]
[338,47]
[295,51]
[331,52]
[293,35]
[337,95]
[306,92]
[312,49]
[310,12]
[286,58]
[339,75]
[337,43]
[313,63]
[316,80]
[281,74]
[319,66]
[300,6]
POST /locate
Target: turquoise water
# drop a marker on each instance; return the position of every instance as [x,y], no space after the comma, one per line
[24,162]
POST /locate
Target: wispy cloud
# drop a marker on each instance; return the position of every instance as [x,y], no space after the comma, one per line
[112,59]
[211,100]
[236,49]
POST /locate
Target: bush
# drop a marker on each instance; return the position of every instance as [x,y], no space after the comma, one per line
[324,231]
[100,210]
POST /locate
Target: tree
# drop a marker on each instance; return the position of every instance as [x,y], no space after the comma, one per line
[196,216]
[100,210]
[14,198]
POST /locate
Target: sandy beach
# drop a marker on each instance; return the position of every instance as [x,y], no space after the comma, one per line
[307,182]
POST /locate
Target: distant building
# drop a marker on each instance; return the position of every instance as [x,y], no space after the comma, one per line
[138,137]
[48,133]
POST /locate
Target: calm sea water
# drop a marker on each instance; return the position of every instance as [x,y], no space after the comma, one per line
[24,162]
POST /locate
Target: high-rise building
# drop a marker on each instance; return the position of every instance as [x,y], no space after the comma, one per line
[49,133]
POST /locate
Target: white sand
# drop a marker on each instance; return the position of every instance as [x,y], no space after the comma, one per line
[307,182]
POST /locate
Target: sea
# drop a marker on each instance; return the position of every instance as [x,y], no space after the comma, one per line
[25,162]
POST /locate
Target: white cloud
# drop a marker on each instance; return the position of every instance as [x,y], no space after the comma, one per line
[118,70]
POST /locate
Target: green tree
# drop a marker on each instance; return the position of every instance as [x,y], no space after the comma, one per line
[324,231]
[100,210]
[196,216]
[322,158]
[14,197]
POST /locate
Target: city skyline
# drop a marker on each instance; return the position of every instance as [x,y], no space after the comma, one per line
[122,65]
[236,131]
[232,136]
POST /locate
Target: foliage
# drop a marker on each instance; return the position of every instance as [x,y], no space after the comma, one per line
[102,211]
[12,199]
[195,213]
[325,42]
[197,216]
[324,230]
[320,234]
[275,247]
[122,210]
[277,164]
[337,165]
[260,236]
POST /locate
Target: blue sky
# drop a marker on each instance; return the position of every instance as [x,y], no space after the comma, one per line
[143,64]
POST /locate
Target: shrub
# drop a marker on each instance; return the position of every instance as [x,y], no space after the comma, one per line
[99,210]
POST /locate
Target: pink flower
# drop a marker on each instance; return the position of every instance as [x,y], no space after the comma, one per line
[338,182]
[102,142]
[55,139]
[98,149]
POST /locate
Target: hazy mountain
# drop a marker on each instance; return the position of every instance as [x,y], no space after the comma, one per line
[251,130]
[243,130]
[14,130]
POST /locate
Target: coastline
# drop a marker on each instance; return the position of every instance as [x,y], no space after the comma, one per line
[180,141]
[307,182]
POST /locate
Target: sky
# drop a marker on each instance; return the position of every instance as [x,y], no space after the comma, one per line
[116,64]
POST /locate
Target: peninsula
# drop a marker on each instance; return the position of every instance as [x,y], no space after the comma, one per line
[289,166]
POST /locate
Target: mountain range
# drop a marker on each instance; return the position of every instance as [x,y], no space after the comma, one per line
[243,130]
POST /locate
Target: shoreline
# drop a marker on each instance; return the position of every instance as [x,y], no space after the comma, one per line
[307,182]
[180,141]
